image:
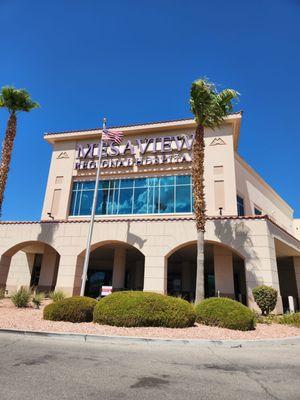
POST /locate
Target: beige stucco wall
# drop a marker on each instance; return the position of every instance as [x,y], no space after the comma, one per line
[226,173]
[156,236]
[256,192]
[63,160]
[253,240]
[296,228]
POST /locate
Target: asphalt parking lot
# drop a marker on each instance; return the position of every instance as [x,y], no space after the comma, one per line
[48,368]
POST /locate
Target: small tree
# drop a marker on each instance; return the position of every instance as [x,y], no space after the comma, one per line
[14,101]
[210,108]
[266,298]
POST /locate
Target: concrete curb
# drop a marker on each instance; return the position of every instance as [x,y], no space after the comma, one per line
[232,343]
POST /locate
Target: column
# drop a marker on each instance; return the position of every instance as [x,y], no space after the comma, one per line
[69,274]
[223,268]
[297,275]
[186,277]
[119,265]
[138,278]
[4,270]
[47,269]
[155,275]
[261,269]
[20,270]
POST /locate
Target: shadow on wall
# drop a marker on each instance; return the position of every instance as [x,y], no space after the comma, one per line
[4,269]
[237,236]
[132,239]
[47,232]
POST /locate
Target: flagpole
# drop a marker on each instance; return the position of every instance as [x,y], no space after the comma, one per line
[91,225]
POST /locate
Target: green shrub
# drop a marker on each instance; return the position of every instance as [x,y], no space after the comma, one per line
[21,297]
[37,299]
[289,319]
[2,293]
[265,297]
[225,313]
[135,308]
[72,309]
[57,295]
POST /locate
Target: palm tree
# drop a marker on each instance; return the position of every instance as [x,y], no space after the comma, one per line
[209,108]
[14,100]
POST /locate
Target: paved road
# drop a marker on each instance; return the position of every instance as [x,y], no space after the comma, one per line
[56,369]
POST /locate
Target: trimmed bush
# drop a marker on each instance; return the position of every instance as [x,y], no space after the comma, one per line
[72,309]
[57,295]
[225,313]
[21,297]
[265,297]
[134,308]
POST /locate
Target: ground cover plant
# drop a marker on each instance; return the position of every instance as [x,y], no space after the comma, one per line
[72,309]
[57,295]
[37,299]
[225,313]
[138,309]
[266,298]
[289,319]
[21,297]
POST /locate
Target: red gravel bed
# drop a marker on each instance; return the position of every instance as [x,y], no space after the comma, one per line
[31,319]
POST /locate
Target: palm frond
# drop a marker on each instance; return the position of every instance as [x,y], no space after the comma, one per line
[210,107]
[16,100]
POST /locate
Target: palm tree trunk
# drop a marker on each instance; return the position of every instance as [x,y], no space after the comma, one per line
[7,148]
[199,207]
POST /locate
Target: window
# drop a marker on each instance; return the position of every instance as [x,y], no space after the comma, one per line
[257,211]
[218,169]
[240,206]
[219,194]
[155,195]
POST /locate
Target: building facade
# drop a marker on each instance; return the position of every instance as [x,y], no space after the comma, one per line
[144,235]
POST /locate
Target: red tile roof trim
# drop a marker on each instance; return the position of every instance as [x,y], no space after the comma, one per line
[145,219]
[128,126]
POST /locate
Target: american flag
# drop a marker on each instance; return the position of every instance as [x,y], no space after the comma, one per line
[113,136]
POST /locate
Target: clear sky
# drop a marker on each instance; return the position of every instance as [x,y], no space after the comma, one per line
[134,61]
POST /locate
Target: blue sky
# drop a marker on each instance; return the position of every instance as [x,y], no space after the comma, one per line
[134,61]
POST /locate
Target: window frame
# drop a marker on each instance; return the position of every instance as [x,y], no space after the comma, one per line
[259,209]
[237,204]
[155,186]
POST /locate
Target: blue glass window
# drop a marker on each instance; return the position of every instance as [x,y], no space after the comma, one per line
[163,195]
[240,206]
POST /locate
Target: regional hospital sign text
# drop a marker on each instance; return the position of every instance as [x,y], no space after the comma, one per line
[140,151]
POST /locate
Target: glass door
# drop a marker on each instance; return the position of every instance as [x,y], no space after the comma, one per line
[96,279]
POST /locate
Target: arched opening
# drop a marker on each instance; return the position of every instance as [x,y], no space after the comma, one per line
[224,272]
[29,264]
[112,264]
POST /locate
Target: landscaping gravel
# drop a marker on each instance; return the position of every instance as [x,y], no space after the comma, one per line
[31,319]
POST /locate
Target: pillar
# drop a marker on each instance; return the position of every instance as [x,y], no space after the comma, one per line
[69,274]
[155,274]
[297,275]
[223,268]
[119,265]
[261,269]
[186,277]
[138,278]
[20,270]
[4,269]
[48,269]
